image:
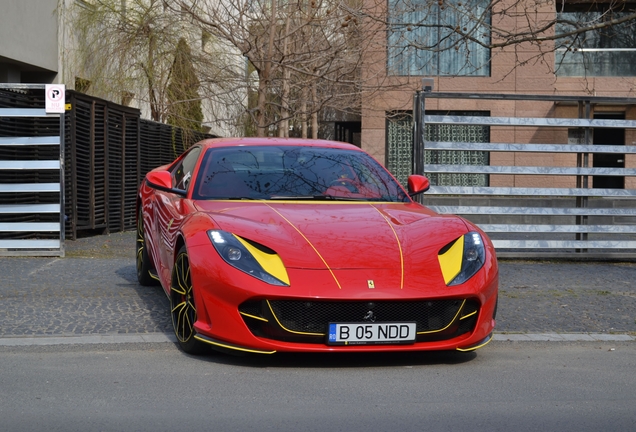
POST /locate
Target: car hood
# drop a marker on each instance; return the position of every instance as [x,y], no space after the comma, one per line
[341,236]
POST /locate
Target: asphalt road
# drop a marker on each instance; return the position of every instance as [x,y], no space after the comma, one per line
[92,297]
[507,386]
[93,291]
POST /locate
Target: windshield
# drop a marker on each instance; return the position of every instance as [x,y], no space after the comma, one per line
[286,172]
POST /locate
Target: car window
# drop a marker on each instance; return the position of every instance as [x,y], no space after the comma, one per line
[279,172]
[182,172]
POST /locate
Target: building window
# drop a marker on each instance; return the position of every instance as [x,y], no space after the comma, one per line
[606,51]
[439,38]
[400,148]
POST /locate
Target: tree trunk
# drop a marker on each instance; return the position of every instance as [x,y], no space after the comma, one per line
[150,71]
[314,112]
[265,76]
[283,125]
[303,112]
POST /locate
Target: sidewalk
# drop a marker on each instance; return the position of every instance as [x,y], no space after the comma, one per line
[93,295]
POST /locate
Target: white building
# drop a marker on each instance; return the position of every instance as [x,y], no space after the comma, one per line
[29,52]
[41,44]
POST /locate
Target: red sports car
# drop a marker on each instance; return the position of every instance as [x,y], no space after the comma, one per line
[267,244]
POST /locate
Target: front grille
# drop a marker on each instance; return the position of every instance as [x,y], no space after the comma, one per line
[307,321]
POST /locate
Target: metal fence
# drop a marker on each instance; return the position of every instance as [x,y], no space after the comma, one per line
[96,154]
[538,222]
[109,151]
[31,173]
[102,165]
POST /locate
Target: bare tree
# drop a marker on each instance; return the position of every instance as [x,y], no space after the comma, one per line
[270,66]
[303,53]
[128,49]
[126,46]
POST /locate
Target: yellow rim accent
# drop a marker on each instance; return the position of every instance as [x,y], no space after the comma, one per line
[140,241]
[397,239]
[449,324]
[308,242]
[140,249]
[451,261]
[475,347]
[177,291]
[288,330]
[267,202]
[253,316]
[233,347]
[271,263]
[182,323]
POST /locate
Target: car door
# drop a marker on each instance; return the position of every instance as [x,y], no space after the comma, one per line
[172,208]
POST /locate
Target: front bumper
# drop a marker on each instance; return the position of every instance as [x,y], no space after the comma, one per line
[237,312]
[259,325]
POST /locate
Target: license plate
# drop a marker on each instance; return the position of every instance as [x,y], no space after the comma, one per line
[371,333]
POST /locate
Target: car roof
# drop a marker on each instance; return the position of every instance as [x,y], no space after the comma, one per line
[270,141]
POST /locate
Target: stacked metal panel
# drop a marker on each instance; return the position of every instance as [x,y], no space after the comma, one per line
[31,174]
[540,222]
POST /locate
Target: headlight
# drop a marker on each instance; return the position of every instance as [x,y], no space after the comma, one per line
[253,259]
[461,259]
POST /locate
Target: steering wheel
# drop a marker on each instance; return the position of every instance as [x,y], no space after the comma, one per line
[347,183]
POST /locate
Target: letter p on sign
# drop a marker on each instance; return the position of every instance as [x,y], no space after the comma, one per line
[55,98]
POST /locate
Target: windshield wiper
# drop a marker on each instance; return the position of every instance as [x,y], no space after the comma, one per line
[299,197]
[240,198]
[315,198]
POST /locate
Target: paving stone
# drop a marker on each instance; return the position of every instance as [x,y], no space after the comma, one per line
[94,291]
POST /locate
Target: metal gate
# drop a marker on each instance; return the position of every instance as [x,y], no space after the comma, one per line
[537,222]
[31,173]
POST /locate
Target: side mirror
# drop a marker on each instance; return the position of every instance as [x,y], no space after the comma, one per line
[418,184]
[162,180]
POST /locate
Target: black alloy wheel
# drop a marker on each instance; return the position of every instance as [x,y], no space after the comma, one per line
[182,306]
[144,264]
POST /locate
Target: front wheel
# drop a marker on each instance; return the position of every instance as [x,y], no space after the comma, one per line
[144,265]
[182,306]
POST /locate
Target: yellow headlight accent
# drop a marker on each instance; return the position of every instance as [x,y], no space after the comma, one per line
[271,263]
[451,260]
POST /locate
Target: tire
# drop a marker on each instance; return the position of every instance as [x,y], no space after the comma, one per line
[144,264]
[182,306]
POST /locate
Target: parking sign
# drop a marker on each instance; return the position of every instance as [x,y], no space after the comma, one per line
[55,98]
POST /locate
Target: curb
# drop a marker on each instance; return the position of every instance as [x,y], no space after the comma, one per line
[165,338]
[561,337]
[88,339]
